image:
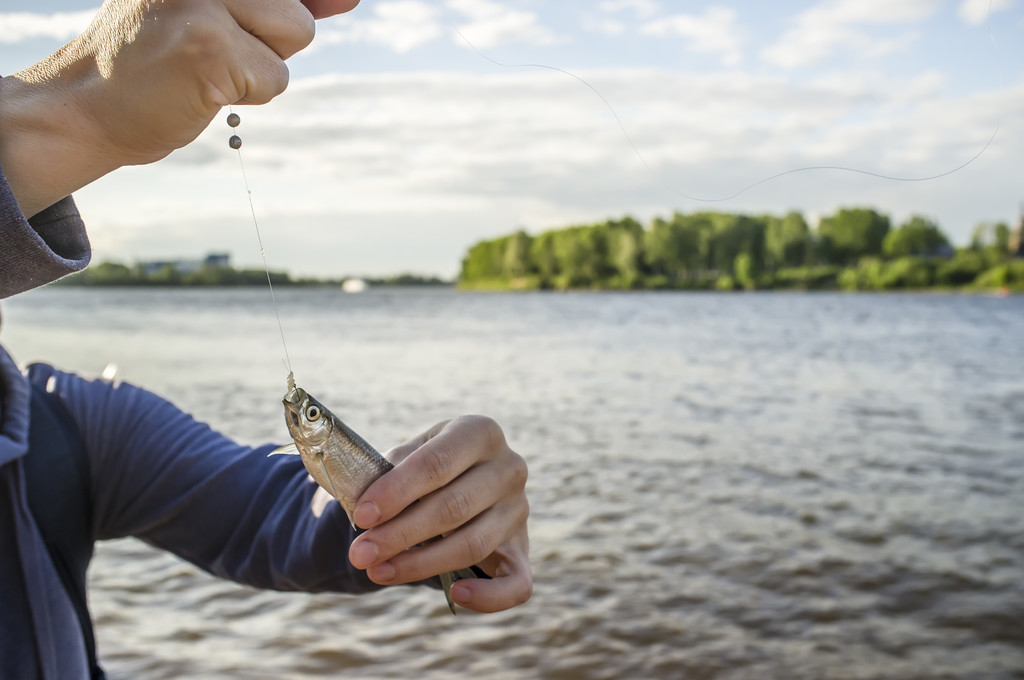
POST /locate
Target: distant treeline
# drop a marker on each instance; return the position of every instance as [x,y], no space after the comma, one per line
[855,249]
[118,274]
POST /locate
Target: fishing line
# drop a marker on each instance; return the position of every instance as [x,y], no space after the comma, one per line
[235,142]
[702,199]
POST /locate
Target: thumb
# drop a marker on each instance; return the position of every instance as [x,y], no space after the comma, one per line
[321,9]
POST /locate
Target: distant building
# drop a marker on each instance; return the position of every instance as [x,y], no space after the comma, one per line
[217,260]
[184,267]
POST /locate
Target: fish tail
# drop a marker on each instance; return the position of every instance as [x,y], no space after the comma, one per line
[450,577]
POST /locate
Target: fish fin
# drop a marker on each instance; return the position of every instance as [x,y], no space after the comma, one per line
[286,450]
[327,476]
[351,519]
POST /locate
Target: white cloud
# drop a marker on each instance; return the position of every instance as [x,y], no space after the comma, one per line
[976,12]
[642,8]
[402,26]
[16,27]
[714,32]
[490,24]
[426,148]
[609,20]
[605,26]
[834,24]
[405,25]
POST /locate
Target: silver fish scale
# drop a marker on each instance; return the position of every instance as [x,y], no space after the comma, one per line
[352,465]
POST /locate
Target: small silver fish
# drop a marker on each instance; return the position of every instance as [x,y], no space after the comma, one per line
[338,459]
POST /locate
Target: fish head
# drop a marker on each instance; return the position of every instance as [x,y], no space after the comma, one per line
[309,423]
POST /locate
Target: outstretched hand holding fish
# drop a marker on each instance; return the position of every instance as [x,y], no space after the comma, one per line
[455,501]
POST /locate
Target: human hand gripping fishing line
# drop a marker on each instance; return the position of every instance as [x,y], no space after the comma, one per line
[144,79]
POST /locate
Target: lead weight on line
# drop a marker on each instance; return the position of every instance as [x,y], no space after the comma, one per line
[235,142]
[234,119]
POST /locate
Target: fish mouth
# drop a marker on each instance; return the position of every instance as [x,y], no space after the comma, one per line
[293,404]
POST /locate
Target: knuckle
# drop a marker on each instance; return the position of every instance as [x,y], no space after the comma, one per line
[525,592]
[277,79]
[300,33]
[475,548]
[456,508]
[519,471]
[487,429]
[438,464]
[492,430]
[399,540]
[524,509]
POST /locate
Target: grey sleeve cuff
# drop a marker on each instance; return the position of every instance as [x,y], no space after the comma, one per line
[36,251]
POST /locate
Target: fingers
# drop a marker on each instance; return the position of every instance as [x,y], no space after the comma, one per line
[268,32]
[457,445]
[512,584]
[284,26]
[475,515]
[399,453]
[261,77]
[507,562]
[321,9]
[462,484]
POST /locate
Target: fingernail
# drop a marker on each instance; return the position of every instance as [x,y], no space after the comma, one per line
[366,515]
[461,594]
[382,573]
[363,554]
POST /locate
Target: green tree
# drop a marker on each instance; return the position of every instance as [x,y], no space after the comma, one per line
[483,261]
[916,236]
[962,269]
[744,271]
[733,235]
[852,233]
[516,259]
[543,258]
[787,241]
[580,252]
[906,272]
[626,252]
[1002,237]
[109,274]
[167,276]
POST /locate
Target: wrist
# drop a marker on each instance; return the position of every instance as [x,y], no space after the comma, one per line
[44,148]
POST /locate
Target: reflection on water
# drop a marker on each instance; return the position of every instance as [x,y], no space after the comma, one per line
[723,486]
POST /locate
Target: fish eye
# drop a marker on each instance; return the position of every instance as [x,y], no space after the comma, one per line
[313,413]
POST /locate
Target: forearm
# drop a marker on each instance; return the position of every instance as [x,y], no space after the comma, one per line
[42,150]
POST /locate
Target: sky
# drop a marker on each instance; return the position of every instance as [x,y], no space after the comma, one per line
[412,129]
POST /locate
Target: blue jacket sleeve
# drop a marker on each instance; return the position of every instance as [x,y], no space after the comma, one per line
[164,477]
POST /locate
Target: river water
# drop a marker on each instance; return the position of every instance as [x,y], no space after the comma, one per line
[722,486]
